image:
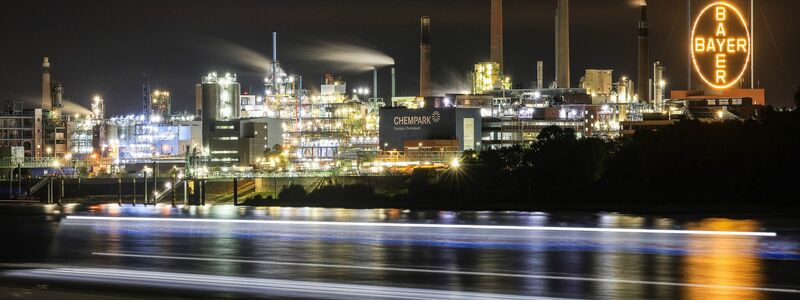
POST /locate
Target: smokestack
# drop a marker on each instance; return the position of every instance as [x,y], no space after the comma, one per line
[496,33]
[46,84]
[274,46]
[57,93]
[562,44]
[147,98]
[658,84]
[425,57]
[642,77]
[539,74]
[375,82]
[393,83]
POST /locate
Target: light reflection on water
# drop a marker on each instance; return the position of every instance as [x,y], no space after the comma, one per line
[690,259]
[723,260]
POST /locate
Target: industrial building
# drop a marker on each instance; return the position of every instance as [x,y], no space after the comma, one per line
[217,100]
[460,125]
[132,139]
[20,128]
[333,130]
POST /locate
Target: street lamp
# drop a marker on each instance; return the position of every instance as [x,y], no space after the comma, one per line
[455,163]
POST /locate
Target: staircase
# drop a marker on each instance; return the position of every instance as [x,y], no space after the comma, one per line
[163,193]
[246,189]
[36,187]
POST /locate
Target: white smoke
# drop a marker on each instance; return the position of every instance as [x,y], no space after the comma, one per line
[232,53]
[343,56]
[637,3]
[74,108]
[69,107]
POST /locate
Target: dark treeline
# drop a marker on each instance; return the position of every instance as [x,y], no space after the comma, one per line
[692,166]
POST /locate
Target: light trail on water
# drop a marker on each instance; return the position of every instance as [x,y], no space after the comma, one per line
[446,226]
[446,272]
[254,286]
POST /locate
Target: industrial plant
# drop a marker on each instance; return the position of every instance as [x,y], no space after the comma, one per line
[286,130]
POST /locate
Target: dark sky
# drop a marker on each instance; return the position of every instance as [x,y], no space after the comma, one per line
[106,47]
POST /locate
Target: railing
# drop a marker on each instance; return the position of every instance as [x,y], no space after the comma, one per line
[421,156]
[38,186]
[56,162]
[257,174]
[27,162]
[163,193]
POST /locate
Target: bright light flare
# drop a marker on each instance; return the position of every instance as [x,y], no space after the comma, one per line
[455,163]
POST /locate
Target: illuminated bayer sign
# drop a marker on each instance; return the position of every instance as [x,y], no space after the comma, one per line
[720,45]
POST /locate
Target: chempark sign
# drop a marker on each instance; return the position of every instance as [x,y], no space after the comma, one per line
[720,45]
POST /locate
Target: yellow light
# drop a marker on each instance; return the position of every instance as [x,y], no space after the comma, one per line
[699,45]
[455,163]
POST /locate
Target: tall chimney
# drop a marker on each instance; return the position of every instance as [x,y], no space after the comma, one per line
[562,44]
[274,57]
[46,83]
[393,83]
[642,78]
[425,57]
[496,33]
[375,82]
[539,74]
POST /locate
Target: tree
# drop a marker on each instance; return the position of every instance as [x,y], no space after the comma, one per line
[797,98]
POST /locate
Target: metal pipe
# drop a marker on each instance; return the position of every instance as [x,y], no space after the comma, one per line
[203,192]
[134,191]
[155,181]
[19,180]
[145,187]
[119,191]
[173,188]
[235,191]
[300,102]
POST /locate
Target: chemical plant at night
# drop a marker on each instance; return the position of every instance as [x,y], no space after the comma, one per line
[405,149]
[284,130]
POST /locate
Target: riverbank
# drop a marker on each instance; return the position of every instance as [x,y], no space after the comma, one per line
[739,211]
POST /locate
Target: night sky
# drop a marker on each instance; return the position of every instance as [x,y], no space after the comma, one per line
[107,47]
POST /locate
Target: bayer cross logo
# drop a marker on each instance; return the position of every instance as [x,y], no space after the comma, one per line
[435,117]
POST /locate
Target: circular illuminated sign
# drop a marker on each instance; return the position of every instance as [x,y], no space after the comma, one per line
[720,45]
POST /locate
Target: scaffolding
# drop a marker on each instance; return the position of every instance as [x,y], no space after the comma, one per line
[325,131]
